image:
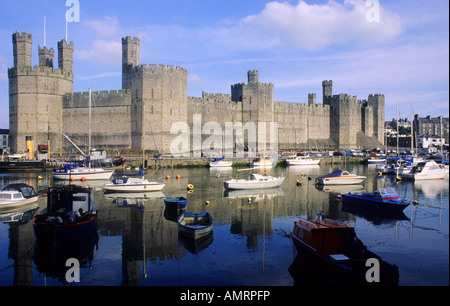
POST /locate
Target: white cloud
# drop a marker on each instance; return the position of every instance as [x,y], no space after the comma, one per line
[314,26]
[102,52]
[194,79]
[106,27]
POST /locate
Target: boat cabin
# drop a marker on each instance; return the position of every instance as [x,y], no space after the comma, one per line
[326,236]
[387,193]
[17,192]
[68,199]
[426,166]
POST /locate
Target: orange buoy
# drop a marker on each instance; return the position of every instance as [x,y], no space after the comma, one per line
[83,179]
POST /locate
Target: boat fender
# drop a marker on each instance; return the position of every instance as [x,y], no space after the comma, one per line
[218,175]
[190,191]
[380,173]
[398,179]
[303,174]
[40,178]
[190,186]
[207,203]
[299,183]
[168,177]
[178,177]
[415,202]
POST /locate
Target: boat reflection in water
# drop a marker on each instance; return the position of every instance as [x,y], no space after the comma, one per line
[133,198]
[374,216]
[19,215]
[253,194]
[51,259]
[195,245]
[339,188]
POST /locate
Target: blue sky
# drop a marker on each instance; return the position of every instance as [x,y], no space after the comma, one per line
[294,44]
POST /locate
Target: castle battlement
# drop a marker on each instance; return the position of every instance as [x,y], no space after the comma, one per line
[102,93]
[63,43]
[154,68]
[130,39]
[22,36]
[39,71]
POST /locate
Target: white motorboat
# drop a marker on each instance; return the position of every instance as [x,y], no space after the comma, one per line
[263,162]
[220,162]
[128,184]
[17,195]
[75,172]
[340,177]
[427,170]
[302,160]
[256,181]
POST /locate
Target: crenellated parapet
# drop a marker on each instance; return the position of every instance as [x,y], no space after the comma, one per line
[104,98]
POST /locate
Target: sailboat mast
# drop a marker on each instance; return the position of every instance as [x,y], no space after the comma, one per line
[412,131]
[89,152]
[398,130]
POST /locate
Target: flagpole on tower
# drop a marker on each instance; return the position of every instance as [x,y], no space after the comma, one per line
[45,40]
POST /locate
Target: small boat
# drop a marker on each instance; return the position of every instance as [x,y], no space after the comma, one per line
[263,162]
[220,162]
[178,202]
[371,161]
[398,167]
[385,199]
[335,249]
[70,215]
[256,181]
[302,160]
[340,177]
[15,195]
[195,225]
[427,170]
[130,184]
[75,172]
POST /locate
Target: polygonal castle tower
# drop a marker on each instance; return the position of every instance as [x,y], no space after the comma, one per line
[35,93]
[158,97]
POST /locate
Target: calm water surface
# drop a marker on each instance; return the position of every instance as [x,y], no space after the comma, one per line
[138,242]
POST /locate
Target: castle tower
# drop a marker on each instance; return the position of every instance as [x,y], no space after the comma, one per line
[22,49]
[253,76]
[65,55]
[46,56]
[35,93]
[377,101]
[327,91]
[130,59]
[311,99]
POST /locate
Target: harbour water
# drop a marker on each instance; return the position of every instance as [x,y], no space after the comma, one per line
[138,241]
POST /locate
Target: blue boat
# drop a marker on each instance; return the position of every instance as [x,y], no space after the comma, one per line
[70,216]
[385,199]
[179,202]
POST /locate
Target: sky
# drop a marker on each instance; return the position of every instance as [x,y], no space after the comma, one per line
[396,48]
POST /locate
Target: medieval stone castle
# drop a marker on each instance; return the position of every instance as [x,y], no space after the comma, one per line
[42,104]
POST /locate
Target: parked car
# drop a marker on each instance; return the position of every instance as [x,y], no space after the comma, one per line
[337,153]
